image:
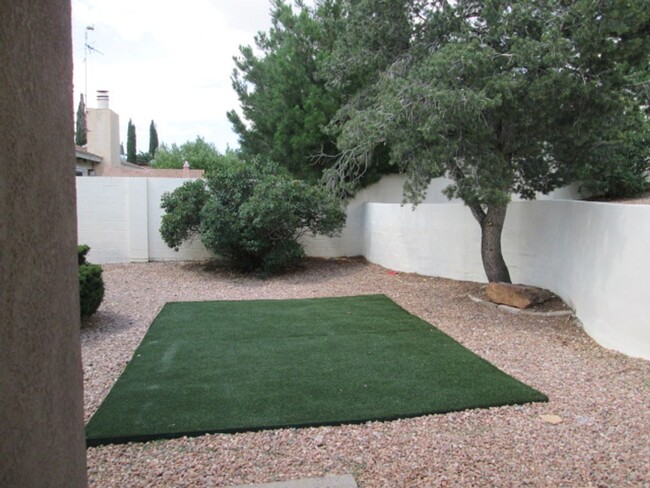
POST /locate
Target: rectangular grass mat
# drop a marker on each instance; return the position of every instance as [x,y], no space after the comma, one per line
[232,366]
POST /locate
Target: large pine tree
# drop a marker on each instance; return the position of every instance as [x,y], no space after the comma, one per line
[503,97]
[284,102]
[80,135]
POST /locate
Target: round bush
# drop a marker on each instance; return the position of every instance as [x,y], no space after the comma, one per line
[251,213]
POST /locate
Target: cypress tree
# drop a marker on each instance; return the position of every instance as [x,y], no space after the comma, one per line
[130,143]
[153,140]
[80,136]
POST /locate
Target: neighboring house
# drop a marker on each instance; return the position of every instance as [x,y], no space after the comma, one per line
[133,170]
[103,127]
[86,161]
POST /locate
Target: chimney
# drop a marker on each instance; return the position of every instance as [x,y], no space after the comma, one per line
[104,132]
[186,170]
[102,98]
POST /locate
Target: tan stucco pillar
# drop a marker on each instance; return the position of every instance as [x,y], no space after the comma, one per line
[41,400]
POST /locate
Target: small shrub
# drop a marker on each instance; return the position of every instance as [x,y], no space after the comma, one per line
[91,284]
[82,250]
[251,213]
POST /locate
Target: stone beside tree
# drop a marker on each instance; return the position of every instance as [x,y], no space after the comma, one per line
[519,296]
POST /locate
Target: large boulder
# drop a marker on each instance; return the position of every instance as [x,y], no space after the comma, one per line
[519,296]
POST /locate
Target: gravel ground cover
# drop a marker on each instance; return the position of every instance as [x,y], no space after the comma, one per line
[601,397]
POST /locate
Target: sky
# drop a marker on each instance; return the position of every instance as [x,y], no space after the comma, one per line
[167,61]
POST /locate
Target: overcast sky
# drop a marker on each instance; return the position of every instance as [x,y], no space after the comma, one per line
[166,60]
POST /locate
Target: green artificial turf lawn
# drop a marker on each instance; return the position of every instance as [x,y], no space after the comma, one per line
[232,366]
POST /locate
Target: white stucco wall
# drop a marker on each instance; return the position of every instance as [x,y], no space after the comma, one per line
[119,218]
[390,189]
[158,250]
[432,239]
[102,218]
[596,256]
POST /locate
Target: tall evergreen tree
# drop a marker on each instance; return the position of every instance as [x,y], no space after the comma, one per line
[131,154]
[153,140]
[284,102]
[80,135]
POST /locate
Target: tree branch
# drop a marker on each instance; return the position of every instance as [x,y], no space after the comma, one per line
[475,207]
[347,172]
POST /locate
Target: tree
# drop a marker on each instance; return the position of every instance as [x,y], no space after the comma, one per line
[501,96]
[80,135]
[131,155]
[251,213]
[284,101]
[620,170]
[143,158]
[198,153]
[153,140]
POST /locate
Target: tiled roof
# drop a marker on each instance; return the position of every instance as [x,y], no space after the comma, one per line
[145,172]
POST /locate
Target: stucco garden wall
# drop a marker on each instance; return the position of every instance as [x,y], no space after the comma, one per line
[594,255]
[119,218]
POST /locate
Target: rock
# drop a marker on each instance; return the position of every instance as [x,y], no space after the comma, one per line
[519,296]
[551,419]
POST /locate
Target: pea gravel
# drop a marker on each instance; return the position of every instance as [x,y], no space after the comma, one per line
[601,397]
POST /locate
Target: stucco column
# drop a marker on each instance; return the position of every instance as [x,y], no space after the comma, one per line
[41,400]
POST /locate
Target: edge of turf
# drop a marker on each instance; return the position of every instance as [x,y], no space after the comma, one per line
[101,441]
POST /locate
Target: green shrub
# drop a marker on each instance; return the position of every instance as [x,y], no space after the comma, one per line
[82,250]
[251,213]
[91,284]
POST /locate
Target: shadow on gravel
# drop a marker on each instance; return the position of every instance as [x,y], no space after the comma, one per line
[105,322]
[311,270]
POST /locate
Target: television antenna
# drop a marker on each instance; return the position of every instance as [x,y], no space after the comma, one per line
[88,49]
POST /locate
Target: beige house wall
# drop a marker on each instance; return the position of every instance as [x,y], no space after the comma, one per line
[41,400]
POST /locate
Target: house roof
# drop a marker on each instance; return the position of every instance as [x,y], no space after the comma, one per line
[146,172]
[83,153]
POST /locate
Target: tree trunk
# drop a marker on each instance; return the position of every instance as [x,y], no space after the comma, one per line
[491,228]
